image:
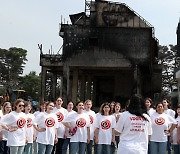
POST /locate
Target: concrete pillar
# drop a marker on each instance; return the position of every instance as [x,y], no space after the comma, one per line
[82,88]
[88,88]
[136,80]
[43,83]
[75,85]
[54,83]
[65,83]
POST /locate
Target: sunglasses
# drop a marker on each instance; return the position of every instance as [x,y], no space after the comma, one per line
[21,105]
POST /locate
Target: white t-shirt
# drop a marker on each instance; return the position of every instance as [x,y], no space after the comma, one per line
[81,121]
[61,115]
[170,112]
[30,129]
[92,116]
[175,131]
[134,131]
[4,132]
[69,113]
[105,125]
[1,114]
[50,122]
[160,123]
[151,111]
[36,113]
[14,119]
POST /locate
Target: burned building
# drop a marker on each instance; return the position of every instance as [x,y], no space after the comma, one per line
[109,52]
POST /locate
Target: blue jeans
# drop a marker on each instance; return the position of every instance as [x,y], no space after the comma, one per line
[44,148]
[158,147]
[28,148]
[4,149]
[176,149]
[16,149]
[65,145]
[35,148]
[78,147]
[103,149]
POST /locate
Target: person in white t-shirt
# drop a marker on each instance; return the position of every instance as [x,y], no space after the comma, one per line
[104,130]
[149,105]
[46,123]
[171,113]
[92,116]
[42,108]
[79,125]
[117,115]
[134,128]
[61,115]
[70,110]
[175,136]
[160,126]
[15,124]
[30,129]
[6,109]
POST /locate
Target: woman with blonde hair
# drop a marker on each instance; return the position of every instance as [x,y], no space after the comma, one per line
[15,124]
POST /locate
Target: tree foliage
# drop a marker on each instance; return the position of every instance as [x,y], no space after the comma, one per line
[168,60]
[31,83]
[12,62]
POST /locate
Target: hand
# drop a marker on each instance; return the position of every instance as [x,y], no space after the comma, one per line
[166,132]
[26,140]
[96,140]
[88,140]
[41,129]
[171,139]
[12,129]
[65,136]
[178,141]
[34,138]
[56,140]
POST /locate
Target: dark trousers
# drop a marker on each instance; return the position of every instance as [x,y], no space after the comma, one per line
[89,147]
[4,149]
[57,149]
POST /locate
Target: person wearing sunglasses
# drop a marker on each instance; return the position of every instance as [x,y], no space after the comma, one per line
[15,124]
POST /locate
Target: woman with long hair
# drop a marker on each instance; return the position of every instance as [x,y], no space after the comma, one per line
[15,124]
[104,130]
[79,124]
[175,136]
[46,123]
[42,108]
[160,129]
[6,109]
[30,129]
[117,115]
[134,128]
[149,106]
[70,107]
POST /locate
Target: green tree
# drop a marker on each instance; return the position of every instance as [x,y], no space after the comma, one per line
[168,59]
[31,83]
[12,63]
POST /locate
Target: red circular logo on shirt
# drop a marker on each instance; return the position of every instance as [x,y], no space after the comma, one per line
[49,122]
[106,124]
[29,122]
[80,122]
[160,121]
[21,122]
[60,116]
[91,119]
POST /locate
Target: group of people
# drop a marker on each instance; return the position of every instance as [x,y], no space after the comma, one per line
[139,129]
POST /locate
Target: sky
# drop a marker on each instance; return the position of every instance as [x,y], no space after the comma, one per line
[27,23]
